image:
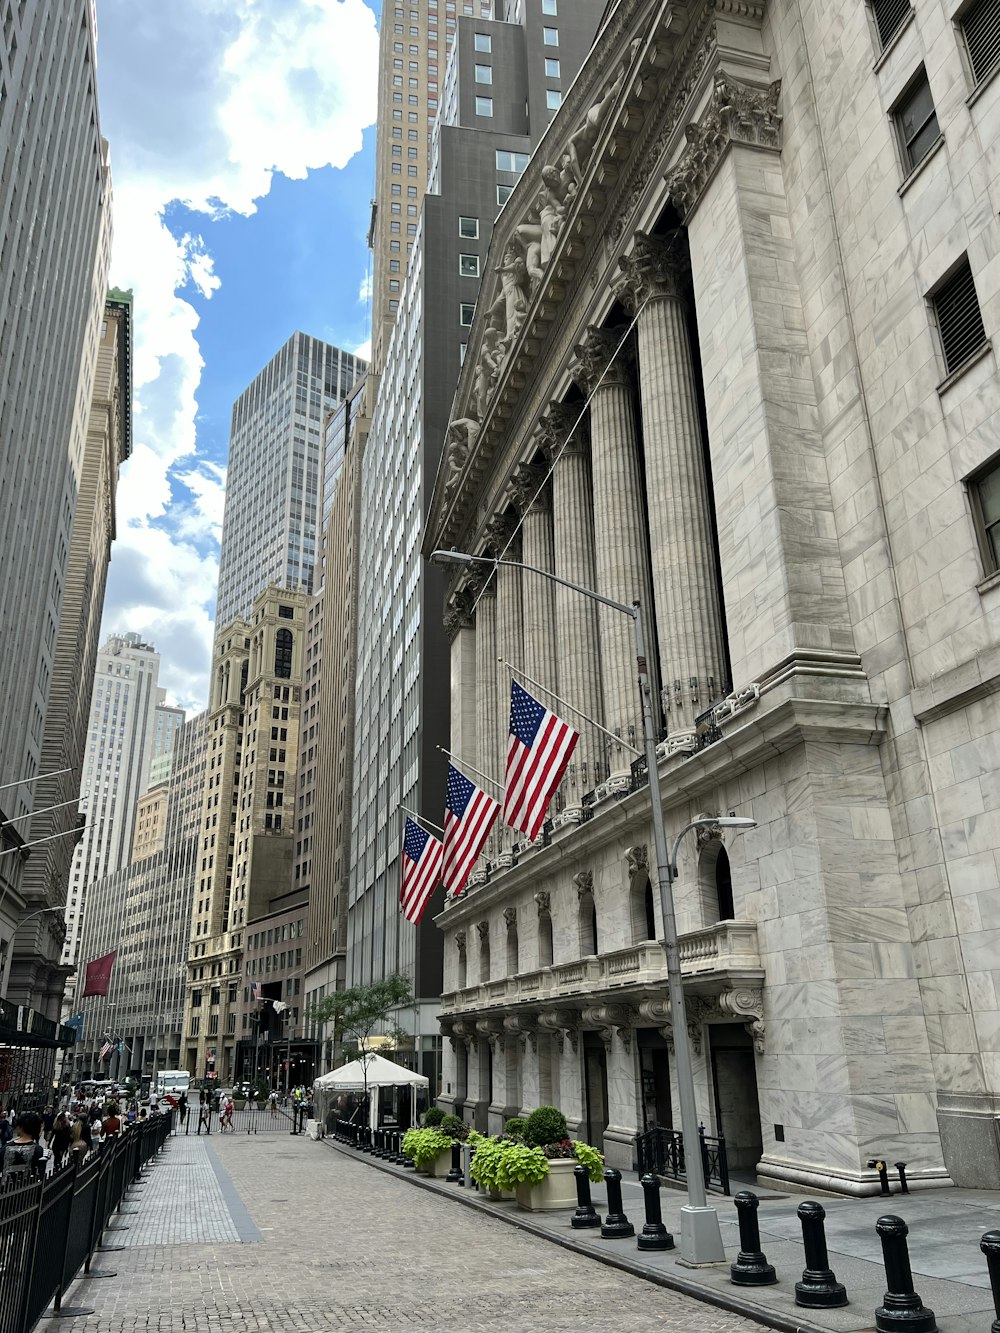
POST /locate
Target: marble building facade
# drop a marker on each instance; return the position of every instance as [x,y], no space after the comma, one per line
[739,366]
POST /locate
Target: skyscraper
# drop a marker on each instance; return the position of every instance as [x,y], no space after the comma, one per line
[415,40]
[272,483]
[55,202]
[115,772]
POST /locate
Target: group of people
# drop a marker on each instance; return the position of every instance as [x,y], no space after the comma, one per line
[31,1140]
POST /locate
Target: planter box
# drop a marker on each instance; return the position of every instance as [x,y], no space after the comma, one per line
[440,1167]
[499,1195]
[557,1192]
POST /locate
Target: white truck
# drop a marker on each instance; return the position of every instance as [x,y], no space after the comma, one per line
[170,1083]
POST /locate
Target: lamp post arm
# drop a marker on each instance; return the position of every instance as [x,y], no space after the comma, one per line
[543,573]
[695,1174]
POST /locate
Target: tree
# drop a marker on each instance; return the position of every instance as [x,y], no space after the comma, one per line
[356,1011]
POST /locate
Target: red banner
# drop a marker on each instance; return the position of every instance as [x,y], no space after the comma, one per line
[98,977]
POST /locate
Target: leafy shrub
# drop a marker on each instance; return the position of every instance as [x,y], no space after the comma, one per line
[424,1146]
[455,1128]
[546,1124]
[514,1127]
[433,1117]
[591,1159]
[501,1164]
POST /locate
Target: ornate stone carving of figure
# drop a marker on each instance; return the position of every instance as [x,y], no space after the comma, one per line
[511,304]
[584,881]
[581,142]
[490,356]
[459,443]
[539,236]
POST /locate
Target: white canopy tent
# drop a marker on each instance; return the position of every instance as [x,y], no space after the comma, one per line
[373,1071]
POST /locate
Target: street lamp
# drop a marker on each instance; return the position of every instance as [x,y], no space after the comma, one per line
[701,1238]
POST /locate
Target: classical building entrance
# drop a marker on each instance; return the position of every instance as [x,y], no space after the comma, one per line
[734,1085]
[595,1069]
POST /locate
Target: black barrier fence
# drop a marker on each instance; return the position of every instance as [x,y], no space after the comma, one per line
[660,1152]
[51,1228]
[247,1118]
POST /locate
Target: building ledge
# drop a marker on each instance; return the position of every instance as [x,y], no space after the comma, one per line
[975,678]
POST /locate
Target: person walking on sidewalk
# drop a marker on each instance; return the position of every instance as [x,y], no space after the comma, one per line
[62,1137]
[24,1154]
[272,1102]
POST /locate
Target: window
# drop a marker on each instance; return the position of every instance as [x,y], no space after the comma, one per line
[286,613]
[511,161]
[484,106]
[889,15]
[553,99]
[484,74]
[550,36]
[959,321]
[551,68]
[916,121]
[981,29]
[469,228]
[549,7]
[503,194]
[283,654]
[483,42]
[984,490]
[465,313]
[468,266]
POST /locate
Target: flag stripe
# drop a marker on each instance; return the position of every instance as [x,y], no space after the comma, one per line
[539,748]
[421,869]
[469,817]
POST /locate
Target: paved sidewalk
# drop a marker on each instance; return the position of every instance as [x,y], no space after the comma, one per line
[945,1227]
[341,1246]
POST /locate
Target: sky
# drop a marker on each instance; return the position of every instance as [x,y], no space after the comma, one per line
[242,157]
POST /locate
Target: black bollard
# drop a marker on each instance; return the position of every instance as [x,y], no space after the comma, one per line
[654,1235]
[883,1174]
[751,1268]
[616,1225]
[585,1215]
[455,1174]
[990,1246]
[901,1168]
[901,1307]
[819,1288]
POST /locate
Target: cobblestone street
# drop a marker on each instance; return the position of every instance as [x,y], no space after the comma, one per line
[327,1243]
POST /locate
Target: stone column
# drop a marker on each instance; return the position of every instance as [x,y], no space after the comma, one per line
[449,1071]
[620,544]
[616,1026]
[533,497]
[682,545]
[459,625]
[505,544]
[576,615]
[530,1074]
[486,695]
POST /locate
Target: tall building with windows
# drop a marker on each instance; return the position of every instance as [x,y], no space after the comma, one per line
[55,227]
[415,42]
[273,473]
[482,142]
[115,773]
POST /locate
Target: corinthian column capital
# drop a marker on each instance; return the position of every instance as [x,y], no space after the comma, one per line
[657,267]
[459,612]
[529,489]
[603,358]
[560,430]
[501,535]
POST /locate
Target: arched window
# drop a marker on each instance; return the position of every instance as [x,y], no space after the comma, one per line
[484,951]
[512,959]
[588,925]
[715,884]
[642,913]
[544,940]
[724,886]
[283,653]
[463,969]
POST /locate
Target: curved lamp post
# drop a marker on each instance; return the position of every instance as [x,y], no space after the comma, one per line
[701,1239]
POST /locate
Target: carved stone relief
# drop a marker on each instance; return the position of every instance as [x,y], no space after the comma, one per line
[656,267]
[637,858]
[584,881]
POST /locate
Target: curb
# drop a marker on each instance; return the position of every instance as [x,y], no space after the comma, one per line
[732,1303]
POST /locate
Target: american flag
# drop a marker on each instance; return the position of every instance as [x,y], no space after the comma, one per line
[538,749]
[422,857]
[469,814]
[255,990]
[105,1050]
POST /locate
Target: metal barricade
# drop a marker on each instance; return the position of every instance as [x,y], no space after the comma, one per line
[20,1197]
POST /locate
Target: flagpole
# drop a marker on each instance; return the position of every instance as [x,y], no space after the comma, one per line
[38,841]
[498,786]
[516,671]
[413,814]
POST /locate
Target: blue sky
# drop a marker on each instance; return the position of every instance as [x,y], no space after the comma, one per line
[242,149]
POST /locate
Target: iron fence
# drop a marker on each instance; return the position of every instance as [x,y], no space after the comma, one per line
[661,1151]
[51,1228]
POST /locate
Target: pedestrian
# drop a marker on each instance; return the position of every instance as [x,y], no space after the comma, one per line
[23,1154]
[62,1137]
[48,1123]
[272,1102]
[182,1107]
[226,1115]
[81,1141]
[6,1128]
[112,1125]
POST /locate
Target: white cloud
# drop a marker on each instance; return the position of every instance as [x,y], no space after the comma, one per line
[365,291]
[203,102]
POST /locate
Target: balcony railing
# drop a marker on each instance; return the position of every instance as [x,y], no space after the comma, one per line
[725,947]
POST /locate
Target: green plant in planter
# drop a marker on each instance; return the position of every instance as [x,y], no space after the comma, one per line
[546,1124]
[502,1164]
[456,1127]
[433,1117]
[591,1159]
[424,1146]
[514,1127]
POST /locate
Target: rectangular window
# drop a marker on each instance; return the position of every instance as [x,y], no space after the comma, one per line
[889,17]
[484,106]
[553,99]
[468,266]
[503,194]
[551,68]
[550,36]
[981,29]
[468,228]
[511,161]
[916,121]
[549,7]
[484,73]
[984,490]
[959,321]
[465,313]
[483,42]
